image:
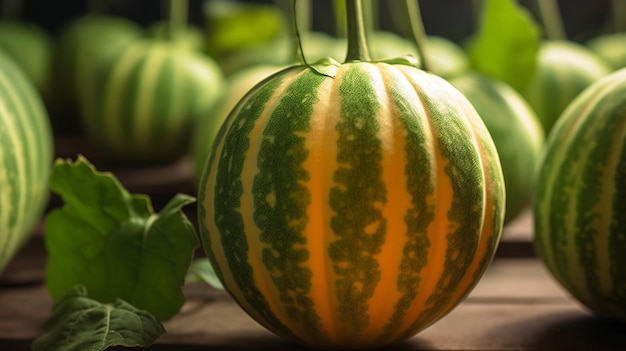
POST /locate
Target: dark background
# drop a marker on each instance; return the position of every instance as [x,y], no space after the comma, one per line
[453,19]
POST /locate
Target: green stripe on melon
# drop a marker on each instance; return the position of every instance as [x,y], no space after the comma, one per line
[353,211]
[581,198]
[25,158]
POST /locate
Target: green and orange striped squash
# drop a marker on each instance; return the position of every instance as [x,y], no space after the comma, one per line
[145,101]
[351,211]
[237,85]
[26,152]
[580,226]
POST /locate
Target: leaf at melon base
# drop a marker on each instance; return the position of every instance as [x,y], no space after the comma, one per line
[507,42]
[202,271]
[112,242]
[78,323]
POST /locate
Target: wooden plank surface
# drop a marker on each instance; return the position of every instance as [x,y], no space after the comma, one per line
[516,306]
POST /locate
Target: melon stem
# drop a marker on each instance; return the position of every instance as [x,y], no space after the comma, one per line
[177,18]
[358,49]
[551,19]
[619,15]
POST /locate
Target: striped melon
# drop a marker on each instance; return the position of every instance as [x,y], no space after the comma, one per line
[31,48]
[351,212]
[81,45]
[148,99]
[563,70]
[611,47]
[580,226]
[25,158]
[516,132]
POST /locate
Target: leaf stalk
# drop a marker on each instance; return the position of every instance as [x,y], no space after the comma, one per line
[552,19]
[418,32]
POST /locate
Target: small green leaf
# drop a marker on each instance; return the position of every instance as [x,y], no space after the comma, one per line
[506,44]
[113,243]
[78,323]
[201,270]
[326,66]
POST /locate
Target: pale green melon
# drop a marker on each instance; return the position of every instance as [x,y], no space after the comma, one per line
[563,70]
[516,131]
[26,152]
[580,200]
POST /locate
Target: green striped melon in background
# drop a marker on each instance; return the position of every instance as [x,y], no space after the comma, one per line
[611,47]
[579,211]
[148,99]
[564,69]
[31,48]
[189,38]
[26,152]
[351,212]
[81,47]
[516,131]
[446,58]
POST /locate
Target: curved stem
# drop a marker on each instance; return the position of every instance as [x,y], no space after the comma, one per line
[297,14]
[618,8]
[552,20]
[295,33]
[357,38]
[304,15]
[177,17]
[398,18]
[418,32]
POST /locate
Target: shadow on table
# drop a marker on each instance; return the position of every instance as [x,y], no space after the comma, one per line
[15,345]
[270,342]
[581,333]
[566,331]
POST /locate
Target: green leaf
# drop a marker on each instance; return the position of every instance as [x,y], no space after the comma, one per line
[113,243]
[233,25]
[201,270]
[78,323]
[506,44]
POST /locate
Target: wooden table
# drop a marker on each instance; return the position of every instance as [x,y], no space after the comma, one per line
[516,306]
